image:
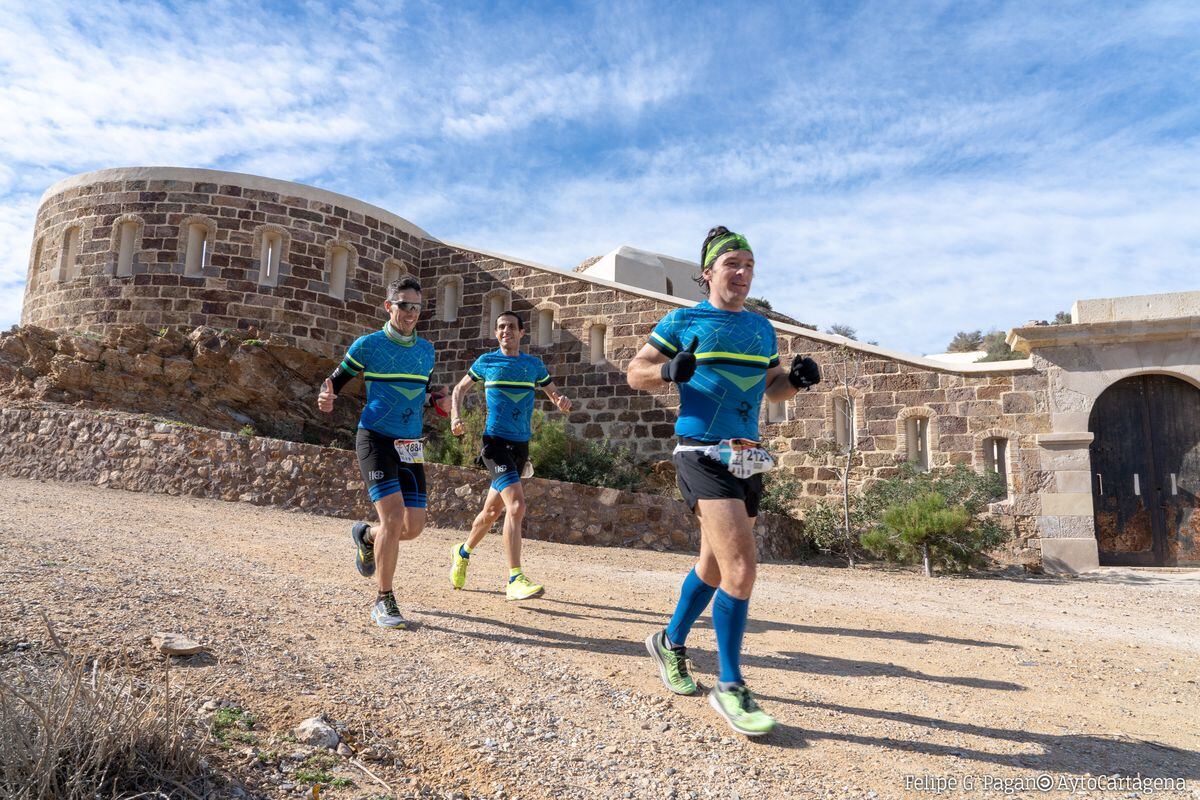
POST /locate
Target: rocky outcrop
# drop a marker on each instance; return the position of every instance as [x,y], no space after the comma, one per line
[219,379]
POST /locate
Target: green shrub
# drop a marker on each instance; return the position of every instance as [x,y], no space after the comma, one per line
[959,486]
[555,453]
[781,490]
[928,529]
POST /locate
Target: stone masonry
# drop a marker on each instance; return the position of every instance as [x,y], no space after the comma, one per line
[124,451]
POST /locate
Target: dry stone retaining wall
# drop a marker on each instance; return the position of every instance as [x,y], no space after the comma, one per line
[123,451]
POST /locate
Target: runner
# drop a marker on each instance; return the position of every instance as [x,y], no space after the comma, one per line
[509,378]
[396,364]
[723,359]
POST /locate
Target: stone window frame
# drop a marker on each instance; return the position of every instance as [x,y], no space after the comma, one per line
[351,266]
[184,238]
[860,413]
[449,280]
[931,433]
[586,341]
[402,272]
[488,323]
[784,406]
[66,272]
[114,239]
[1012,452]
[256,243]
[35,262]
[535,325]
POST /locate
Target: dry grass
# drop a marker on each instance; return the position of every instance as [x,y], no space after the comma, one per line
[76,729]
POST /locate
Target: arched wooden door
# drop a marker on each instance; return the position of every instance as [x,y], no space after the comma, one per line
[1146,472]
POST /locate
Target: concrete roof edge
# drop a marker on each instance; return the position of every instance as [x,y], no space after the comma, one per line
[245,180]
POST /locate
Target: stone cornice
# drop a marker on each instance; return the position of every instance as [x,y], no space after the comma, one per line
[1036,337]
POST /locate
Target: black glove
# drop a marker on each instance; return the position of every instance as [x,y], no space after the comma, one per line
[682,367]
[804,373]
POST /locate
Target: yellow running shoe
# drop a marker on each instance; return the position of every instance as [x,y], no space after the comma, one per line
[521,588]
[458,567]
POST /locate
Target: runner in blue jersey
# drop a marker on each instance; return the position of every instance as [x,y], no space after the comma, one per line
[396,364]
[724,360]
[511,380]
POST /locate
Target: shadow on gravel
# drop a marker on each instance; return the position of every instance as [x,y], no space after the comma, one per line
[1075,753]
[762,626]
[791,662]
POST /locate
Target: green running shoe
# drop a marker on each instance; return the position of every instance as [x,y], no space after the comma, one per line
[672,664]
[740,710]
[458,568]
[521,588]
[364,557]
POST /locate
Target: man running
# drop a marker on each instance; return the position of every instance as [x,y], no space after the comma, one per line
[724,359]
[396,365]
[510,378]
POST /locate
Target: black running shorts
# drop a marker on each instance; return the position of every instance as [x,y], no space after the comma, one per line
[504,459]
[703,478]
[384,472]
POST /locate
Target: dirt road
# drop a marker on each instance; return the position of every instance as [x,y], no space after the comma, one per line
[874,676]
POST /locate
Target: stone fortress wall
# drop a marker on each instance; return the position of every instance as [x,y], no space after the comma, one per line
[187,247]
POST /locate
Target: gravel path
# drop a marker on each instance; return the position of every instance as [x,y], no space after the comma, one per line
[873,675]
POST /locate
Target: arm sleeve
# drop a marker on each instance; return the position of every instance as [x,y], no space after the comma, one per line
[477,370]
[351,365]
[665,336]
[774,348]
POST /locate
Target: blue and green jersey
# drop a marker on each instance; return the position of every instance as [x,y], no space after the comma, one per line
[736,348]
[397,378]
[509,383]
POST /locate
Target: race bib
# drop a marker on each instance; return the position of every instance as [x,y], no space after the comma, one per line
[744,458]
[411,451]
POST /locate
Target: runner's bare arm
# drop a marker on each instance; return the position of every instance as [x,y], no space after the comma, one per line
[778,385]
[456,398]
[645,370]
[558,398]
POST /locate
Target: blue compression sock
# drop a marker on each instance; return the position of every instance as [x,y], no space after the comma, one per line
[693,599]
[729,619]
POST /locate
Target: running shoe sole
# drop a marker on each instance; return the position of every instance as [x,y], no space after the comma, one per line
[712,701]
[357,533]
[662,667]
[533,596]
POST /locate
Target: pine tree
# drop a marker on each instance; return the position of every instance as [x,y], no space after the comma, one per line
[924,526]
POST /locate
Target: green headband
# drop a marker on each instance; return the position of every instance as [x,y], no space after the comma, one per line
[724,244]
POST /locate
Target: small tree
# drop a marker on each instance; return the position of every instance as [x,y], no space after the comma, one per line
[842,330]
[997,348]
[966,342]
[843,373]
[761,302]
[1062,318]
[923,526]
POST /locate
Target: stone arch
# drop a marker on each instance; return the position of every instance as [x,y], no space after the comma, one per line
[271,245]
[35,263]
[68,254]
[545,325]
[393,270]
[906,448]
[125,245]
[1012,453]
[449,297]
[833,400]
[596,341]
[494,301]
[339,268]
[195,255]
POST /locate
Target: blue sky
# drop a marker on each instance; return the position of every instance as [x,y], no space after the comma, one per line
[909,169]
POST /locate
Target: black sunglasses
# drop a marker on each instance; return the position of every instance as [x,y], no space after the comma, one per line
[406,306]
